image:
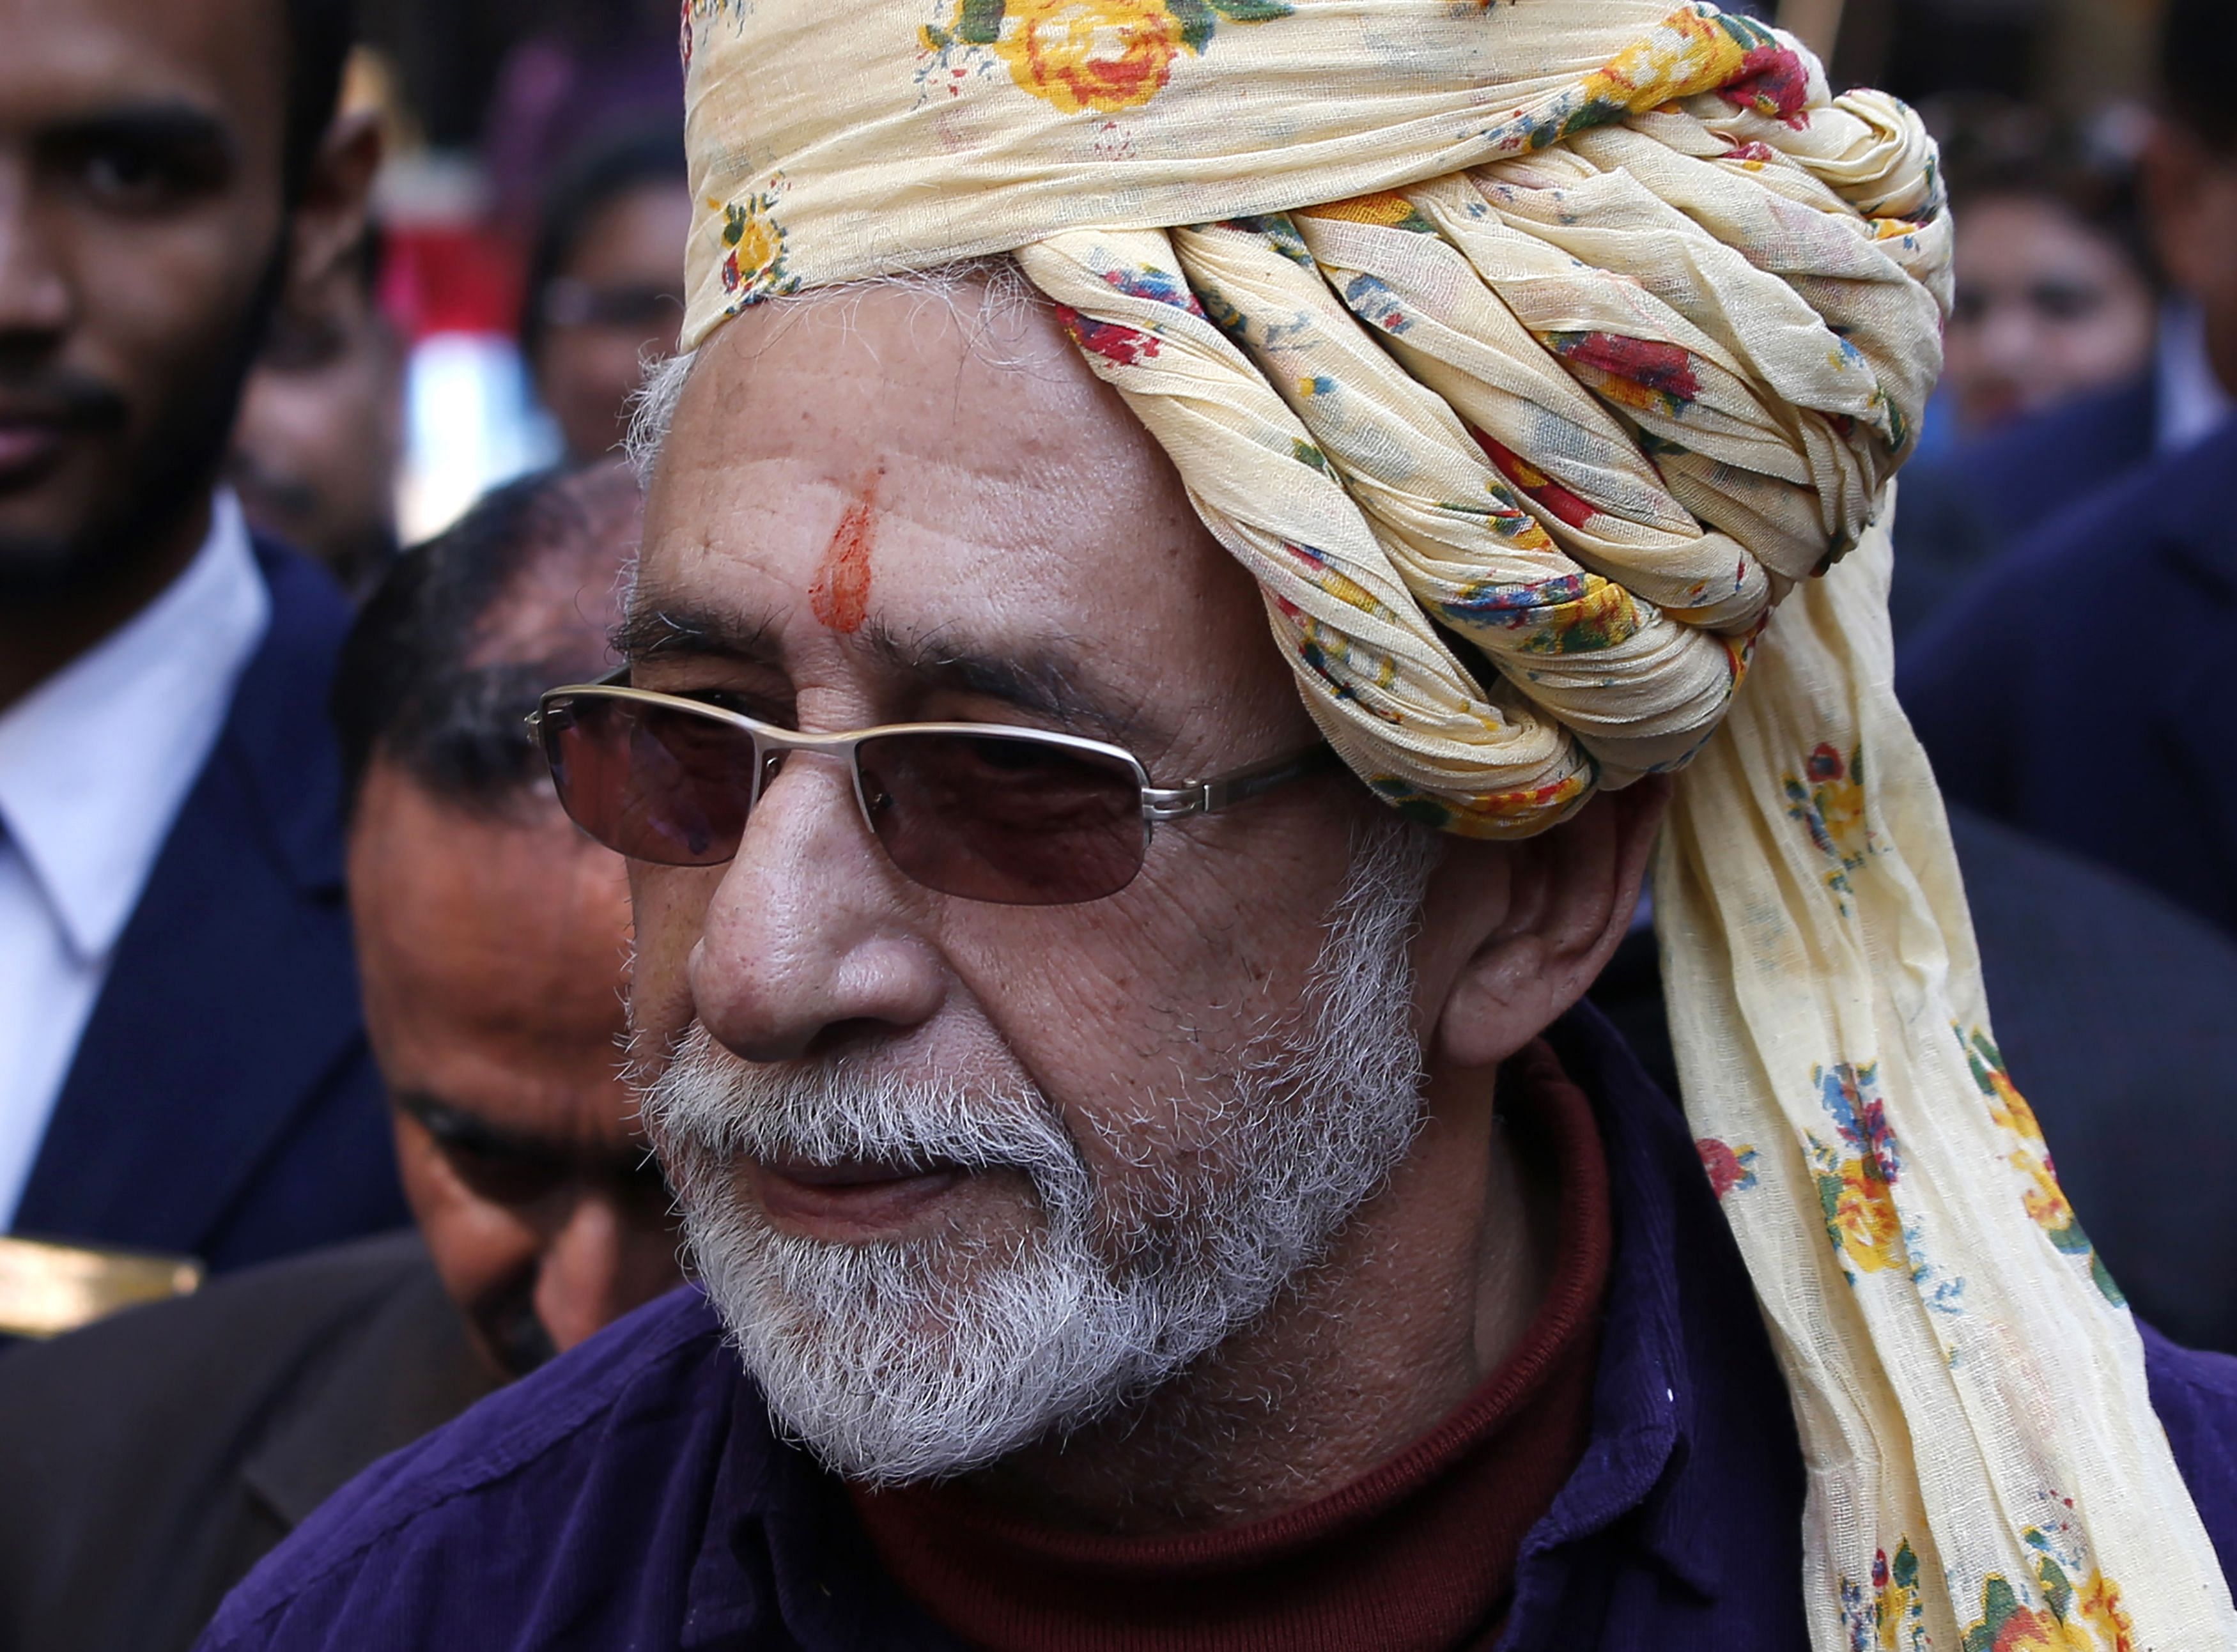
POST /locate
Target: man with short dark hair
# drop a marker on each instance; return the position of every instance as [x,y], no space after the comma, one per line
[146,1462]
[2005,689]
[182,1066]
[321,434]
[603,292]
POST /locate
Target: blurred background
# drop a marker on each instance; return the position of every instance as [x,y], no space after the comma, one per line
[532,202]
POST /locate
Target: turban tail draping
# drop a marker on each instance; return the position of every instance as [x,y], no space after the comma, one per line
[1549,364]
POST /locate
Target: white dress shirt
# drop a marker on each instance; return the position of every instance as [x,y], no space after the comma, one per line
[2192,402]
[95,764]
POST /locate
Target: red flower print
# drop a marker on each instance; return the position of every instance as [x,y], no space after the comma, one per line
[1113,341]
[1565,505]
[1727,1168]
[1666,367]
[1772,81]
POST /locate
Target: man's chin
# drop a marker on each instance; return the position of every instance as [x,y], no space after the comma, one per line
[60,541]
[925,1345]
[36,565]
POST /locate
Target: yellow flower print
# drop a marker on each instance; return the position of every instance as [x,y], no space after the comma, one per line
[1870,1231]
[1857,1174]
[2097,1603]
[1090,56]
[2040,1195]
[753,267]
[1689,51]
[1079,54]
[2043,1200]
[1828,797]
[2057,1615]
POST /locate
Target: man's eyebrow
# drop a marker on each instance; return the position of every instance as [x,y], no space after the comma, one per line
[457,1127]
[658,630]
[176,127]
[1046,681]
[454,1126]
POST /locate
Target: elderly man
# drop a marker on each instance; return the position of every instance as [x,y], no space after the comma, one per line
[1163,1195]
[147,1461]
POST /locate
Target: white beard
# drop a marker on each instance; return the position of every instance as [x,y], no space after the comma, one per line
[902,1360]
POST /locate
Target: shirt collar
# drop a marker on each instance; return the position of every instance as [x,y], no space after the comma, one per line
[96,761]
[2192,402]
[1646,1395]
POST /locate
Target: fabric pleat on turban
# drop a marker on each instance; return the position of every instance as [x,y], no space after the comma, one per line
[1549,363]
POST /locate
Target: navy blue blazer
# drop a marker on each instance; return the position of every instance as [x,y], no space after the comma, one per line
[1961,510]
[222,1102]
[2113,1013]
[2083,692]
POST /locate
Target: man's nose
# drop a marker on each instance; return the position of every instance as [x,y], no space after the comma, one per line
[2013,338]
[807,940]
[35,290]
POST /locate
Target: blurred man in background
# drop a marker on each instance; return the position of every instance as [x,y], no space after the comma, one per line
[605,285]
[2054,348]
[321,433]
[2057,294]
[146,1463]
[182,1063]
[2086,674]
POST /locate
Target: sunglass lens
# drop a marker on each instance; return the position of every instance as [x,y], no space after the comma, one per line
[1021,821]
[651,782]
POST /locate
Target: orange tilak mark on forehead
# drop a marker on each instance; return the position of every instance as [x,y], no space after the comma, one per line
[841,596]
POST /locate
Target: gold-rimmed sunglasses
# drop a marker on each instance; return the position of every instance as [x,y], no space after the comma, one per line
[1022,816]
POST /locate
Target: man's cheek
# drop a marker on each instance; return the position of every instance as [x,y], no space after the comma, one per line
[668,907]
[150,298]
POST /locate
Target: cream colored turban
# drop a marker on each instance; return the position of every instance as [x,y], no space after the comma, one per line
[1548,362]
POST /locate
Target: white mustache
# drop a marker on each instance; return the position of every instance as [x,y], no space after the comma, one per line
[709,1108]
[838,1111]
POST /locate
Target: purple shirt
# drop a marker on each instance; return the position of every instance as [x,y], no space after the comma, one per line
[633,1494]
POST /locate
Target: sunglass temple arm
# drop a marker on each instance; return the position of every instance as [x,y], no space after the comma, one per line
[1162,803]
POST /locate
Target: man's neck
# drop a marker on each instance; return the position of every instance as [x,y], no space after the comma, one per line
[41,634]
[1427,1290]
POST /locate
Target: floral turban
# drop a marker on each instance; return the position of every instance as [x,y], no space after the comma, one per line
[1549,364]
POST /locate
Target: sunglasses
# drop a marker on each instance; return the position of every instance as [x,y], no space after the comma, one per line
[1015,816]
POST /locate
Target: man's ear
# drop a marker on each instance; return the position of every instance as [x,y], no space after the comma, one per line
[330,214]
[1569,896]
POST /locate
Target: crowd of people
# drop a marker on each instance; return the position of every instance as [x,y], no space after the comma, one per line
[752,887]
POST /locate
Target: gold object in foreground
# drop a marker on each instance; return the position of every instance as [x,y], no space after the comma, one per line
[46,1287]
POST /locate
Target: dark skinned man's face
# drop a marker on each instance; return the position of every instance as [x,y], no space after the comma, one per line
[493,950]
[141,223]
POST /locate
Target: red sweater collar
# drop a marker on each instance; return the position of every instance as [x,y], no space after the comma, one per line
[1418,1553]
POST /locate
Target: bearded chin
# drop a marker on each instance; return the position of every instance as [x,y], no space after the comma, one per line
[903,1360]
